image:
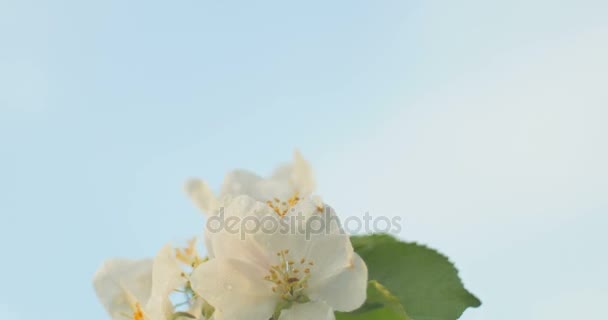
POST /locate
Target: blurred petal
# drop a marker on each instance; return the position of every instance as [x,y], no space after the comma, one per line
[307,311]
[202,196]
[167,276]
[302,176]
[118,281]
[286,181]
[241,182]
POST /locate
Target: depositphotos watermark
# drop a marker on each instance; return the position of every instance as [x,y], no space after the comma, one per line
[321,222]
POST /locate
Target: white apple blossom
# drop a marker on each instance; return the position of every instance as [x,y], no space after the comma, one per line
[121,283]
[306,270]
[287,276]
[139,289]
[287,183]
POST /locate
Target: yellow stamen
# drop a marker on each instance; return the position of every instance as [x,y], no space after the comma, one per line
[281,208]
[189,255]
[138,314]
[288,281]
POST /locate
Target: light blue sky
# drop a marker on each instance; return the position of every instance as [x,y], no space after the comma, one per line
[481,123]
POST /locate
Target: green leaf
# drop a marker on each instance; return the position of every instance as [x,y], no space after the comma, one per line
[380,304]
[425,281]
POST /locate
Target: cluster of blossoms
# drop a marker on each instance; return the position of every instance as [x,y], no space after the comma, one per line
[261,276]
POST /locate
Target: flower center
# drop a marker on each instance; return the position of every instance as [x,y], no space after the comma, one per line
[290,277]
[282,207]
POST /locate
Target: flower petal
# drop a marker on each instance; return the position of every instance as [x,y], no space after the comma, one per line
[286,181]
[235,288]
[347,290]
[328,249]
[302,176]
[305,311]
[119,280]
[202,196]
[227,233]
[241,182]
[331,254]
[167,276]
[316,217]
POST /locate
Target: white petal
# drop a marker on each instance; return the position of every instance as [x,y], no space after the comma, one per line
[225,245]
[345,291]
[307,311]
[302,176]
[202,196]
[119,279]
[241,182]
[166,277]
[331,254]
[235,288]
[286,181]
[228,238]
[244,206]
[271,244]
[271,189]
[317,216]
[208,244]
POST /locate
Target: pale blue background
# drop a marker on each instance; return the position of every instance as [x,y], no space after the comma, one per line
[482,123]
